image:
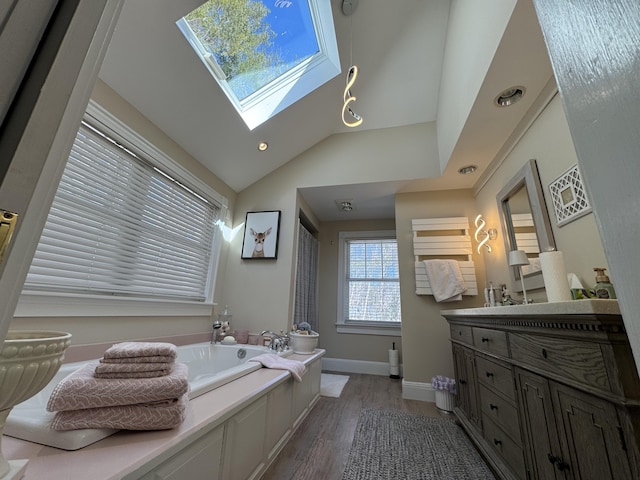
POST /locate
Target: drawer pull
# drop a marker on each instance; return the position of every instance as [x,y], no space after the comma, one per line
[484,339]
[489,374]
[497,441]
[462,382]
[493,407]
[544,353]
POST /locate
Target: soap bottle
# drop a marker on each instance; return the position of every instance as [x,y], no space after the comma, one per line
[603,287]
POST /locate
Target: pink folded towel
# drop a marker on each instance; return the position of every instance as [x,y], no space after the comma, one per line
[133,370]
[81,390]
[271,360]
[125,417]
[150,359]
[141,349]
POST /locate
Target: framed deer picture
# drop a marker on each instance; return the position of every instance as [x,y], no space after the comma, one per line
[261,231]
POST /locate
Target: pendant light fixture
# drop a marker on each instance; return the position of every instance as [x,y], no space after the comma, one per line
[353,120]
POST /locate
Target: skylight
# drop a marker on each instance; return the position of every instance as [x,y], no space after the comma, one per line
[264,54]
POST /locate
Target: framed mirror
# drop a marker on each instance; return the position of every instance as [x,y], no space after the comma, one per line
[525,224]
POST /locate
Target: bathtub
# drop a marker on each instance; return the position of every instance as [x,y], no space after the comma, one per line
[210,366]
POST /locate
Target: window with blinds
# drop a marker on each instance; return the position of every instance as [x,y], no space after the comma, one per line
[371,290]
[121,226]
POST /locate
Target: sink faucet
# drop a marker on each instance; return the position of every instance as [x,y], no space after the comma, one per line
[278,343]
[217,325]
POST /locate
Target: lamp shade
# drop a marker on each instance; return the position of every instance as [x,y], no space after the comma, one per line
[518,258]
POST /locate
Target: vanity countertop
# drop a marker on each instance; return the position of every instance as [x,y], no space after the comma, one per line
[572,307]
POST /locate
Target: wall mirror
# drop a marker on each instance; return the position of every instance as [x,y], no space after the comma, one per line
[525,224]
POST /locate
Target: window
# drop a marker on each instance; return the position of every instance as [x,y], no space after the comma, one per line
[369,286]
[124,224]
[264,54]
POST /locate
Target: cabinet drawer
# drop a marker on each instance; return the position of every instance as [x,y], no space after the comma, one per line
[491,341]
[579,361]
[510,452]
[503,413]
[496,376]
[462,333]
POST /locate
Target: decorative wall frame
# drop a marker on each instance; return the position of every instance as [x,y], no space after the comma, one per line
[261,235]
[569,197]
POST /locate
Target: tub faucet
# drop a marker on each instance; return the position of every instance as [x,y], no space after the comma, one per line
[217,325]
[278,343]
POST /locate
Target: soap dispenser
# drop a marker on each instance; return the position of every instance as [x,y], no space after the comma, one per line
[603,287]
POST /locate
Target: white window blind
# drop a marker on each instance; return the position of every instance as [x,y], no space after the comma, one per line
[373,282]
[119,226]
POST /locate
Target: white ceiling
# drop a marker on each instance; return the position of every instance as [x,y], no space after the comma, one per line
[398,47]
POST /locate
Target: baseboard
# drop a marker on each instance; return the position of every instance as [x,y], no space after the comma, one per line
[356,366]
[418,391]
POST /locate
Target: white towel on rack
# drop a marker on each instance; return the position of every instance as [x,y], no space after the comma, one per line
[445,280]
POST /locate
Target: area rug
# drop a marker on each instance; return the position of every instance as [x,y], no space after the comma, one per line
[332,385]
[390,444]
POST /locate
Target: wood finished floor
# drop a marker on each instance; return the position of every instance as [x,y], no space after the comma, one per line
[320,447]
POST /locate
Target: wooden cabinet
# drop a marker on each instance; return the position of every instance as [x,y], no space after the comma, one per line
[556,396]
[581,436]
[467,383]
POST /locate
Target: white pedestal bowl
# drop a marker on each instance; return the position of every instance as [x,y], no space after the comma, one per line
[28,361]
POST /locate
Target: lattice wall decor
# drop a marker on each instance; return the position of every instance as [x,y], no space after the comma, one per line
[569,196]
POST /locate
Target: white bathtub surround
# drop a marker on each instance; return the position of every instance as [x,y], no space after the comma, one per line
[240,427]
[209,367]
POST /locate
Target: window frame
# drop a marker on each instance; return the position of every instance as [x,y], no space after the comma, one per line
[360,327]
[34,303]
[303,79]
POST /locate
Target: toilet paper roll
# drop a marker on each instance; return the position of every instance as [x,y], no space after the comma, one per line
[555,276]
[394,367]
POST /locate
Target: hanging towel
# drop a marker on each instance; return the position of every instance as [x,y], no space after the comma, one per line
[445,280]
[142,349]
[161,416]
[81,390]
[271,360]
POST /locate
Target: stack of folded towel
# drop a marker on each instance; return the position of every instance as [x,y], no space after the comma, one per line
[135,386]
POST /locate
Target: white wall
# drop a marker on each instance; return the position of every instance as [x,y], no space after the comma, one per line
[474,32]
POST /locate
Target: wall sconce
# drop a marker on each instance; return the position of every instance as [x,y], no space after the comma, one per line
[518,258]
[482,236]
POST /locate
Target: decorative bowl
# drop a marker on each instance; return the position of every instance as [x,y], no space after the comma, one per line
[28,361]
[303,344]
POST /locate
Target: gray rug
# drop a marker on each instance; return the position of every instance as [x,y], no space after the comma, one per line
[394,445]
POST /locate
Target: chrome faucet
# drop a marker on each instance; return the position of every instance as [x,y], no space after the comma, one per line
[278,343]
[217,325]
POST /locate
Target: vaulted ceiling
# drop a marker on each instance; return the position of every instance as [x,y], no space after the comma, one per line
[399,47]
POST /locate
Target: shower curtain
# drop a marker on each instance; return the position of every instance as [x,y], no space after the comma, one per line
[306,309]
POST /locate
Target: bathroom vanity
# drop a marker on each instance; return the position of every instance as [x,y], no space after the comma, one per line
[548,391]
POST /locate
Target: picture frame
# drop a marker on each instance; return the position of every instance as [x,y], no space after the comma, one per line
[261,235]
[569,196]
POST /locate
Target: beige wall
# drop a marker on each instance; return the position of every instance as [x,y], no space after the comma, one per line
[89,330]
[260,293]
[425,333]
[549,142]
[371,348]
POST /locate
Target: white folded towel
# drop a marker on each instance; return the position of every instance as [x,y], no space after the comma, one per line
[445,280]
[271,360]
